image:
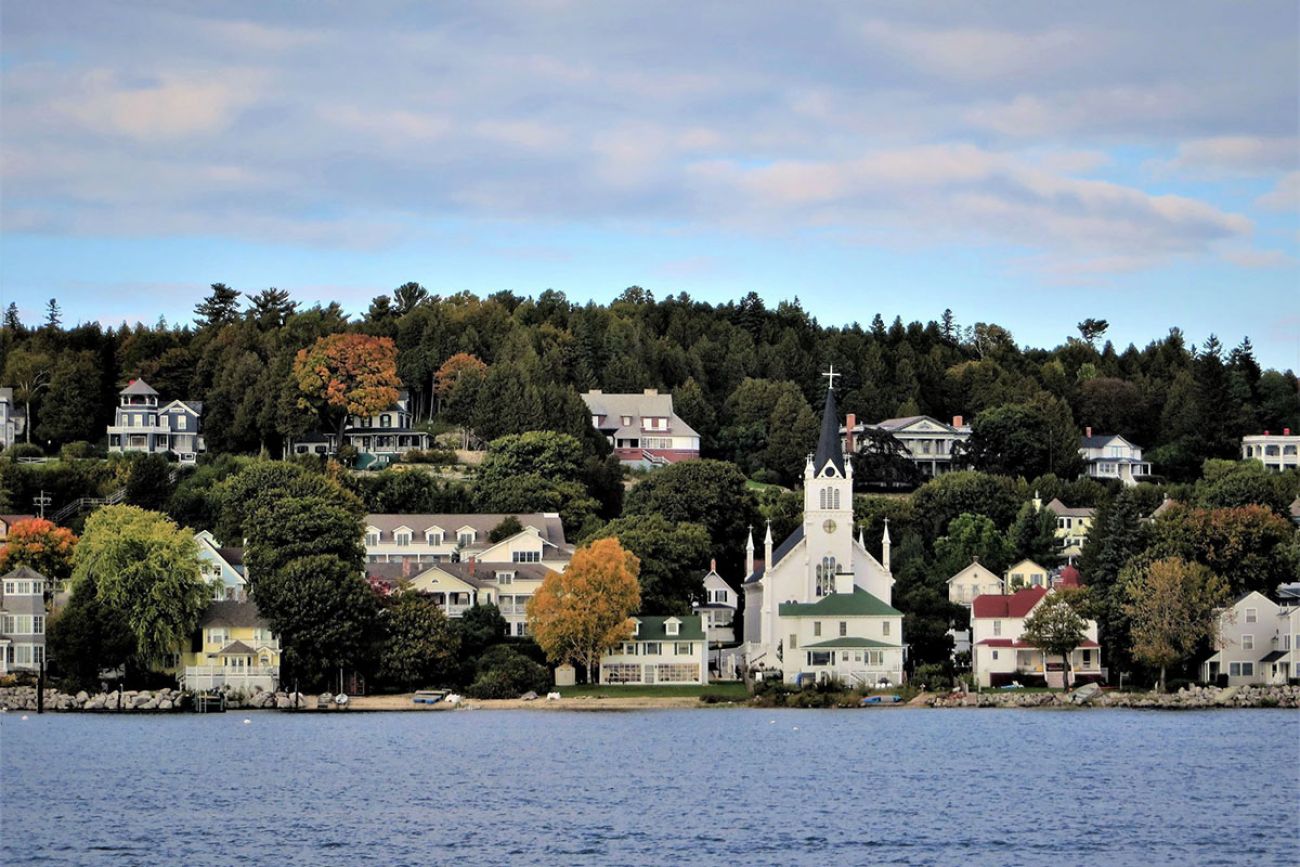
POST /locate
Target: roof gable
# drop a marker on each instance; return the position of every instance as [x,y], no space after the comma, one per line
[1017,604]
[689,628]
[859,603]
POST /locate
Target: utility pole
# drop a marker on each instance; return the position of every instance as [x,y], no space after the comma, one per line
[42,501]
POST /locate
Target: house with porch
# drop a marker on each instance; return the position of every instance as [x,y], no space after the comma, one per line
[1110,456]
[232,647]
[1257,642]
[718,608]
[1000,655]
[933,445]
[661,650]
[22,620]
[643,428]
[1277,452]
[379,439]
[143,424]
[222,567]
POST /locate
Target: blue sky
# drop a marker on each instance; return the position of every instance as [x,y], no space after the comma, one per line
[1015,163]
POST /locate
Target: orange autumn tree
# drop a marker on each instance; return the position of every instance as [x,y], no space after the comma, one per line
[579,614]
[452,370]
[347,374]
[41,545]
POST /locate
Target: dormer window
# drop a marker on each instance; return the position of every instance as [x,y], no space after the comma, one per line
[402,537]
[433,537]
[505,577]
[465,538]
[671,627]
[636,627]
[627,421]
[372,537]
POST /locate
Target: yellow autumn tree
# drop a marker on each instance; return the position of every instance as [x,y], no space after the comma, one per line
[580,613]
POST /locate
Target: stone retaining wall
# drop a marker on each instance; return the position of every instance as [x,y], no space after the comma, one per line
[160,700]
[1185,699]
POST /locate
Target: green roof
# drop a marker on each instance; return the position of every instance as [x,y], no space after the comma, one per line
[858,603]
[848,642]
[653,629]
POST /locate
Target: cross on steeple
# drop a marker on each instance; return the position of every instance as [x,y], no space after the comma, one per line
[830,377]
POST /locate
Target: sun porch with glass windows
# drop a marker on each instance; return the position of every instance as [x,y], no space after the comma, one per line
[854,662]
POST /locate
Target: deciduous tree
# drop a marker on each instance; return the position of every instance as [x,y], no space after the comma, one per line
[579,614]
[29,373]
[1055,627]
[1172,606]
[342,375]
[41,545]
[420,644]
[672,556]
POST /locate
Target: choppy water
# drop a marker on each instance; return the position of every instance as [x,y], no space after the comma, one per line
[716,786]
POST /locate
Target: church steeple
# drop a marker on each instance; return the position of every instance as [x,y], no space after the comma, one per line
[829,450]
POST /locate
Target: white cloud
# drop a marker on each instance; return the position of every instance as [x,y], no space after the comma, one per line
[1285,196]
[167,107]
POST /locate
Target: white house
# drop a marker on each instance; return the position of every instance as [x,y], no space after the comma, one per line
[13,418]
[1257,642]
[718,608]
[1277,452]
[1110,456]
[141,424]
[930,443]
[999,655]
[643,428]
[379,439]
[975,580]
[661,650]
[819,606]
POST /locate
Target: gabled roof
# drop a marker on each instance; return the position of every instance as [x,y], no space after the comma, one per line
[778,555]
[690,628]
[894,425]
[233,648]
[977,566]
[859,603]
[1061,510]
[23,573]
[547,524]
[612,407]
[829,449]
[1098,441]
[138,386]
[231,612]
[1017,604]
[1026,562]
[193,406]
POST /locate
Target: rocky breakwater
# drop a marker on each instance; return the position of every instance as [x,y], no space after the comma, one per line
[1188,698]
[24,698]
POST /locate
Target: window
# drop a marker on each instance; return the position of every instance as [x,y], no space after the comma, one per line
[671,627]
[653,648]
[38,624]
[819,657]
[822,496]
[627,421]
[526,556]
[385,420]
[465,539]
[683,648]
[678,673]
[997,627]
[657,442]
[180,421]
[521,629]
[1087,659]
[884,628]
[372,539]
[844,628]
[217,636]
[1247,642]
[876,658]
[995,654]
[505,577]
[402,538]
[1241,669]
[24,588]
[1252,615]
[826,576]
[621,672]
[794,641]
[817,629]
[433,537]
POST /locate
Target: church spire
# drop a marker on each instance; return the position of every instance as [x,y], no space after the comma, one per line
[829,449]
[749,552]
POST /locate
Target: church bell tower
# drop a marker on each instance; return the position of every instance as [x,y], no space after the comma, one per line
[828,505]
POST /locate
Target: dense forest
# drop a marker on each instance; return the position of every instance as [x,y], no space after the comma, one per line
[746,376]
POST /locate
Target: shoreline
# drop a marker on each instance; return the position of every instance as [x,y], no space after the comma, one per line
[23,700]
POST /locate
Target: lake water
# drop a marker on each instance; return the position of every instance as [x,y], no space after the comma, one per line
[715,786]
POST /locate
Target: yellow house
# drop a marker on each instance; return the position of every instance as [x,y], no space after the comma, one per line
[1024,575]
[1072,527]
[232,647]
[509,586]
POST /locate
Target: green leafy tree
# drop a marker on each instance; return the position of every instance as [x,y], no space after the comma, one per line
[1247,546]
[148,569]
[940,500]
[712,494]
[792,435]
[1172,605]
[420,644]
[1026,439]
[149,484]
[1033,536]
[72,409]
[508,526]
[480,627]
[88,636]
[673,559]
[1056,628]
[504,672]
[29,374]
[971,537]
[1226,484]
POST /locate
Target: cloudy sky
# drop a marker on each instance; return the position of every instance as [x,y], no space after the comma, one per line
[1029,164]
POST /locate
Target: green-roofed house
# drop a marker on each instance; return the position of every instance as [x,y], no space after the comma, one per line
[818,605]
[667,650]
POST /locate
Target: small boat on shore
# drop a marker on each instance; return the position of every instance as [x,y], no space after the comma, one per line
[429,696]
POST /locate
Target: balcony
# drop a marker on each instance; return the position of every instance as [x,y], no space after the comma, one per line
[206,677]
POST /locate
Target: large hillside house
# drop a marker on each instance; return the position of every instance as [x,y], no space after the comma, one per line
[142,423]
[22,620]
[818,608]
[929,443]
[1000,655]
[454,558]
[13,418]
[1110,456]
[643,428]
[1259,640]
[1277,452]
[232,647]
[379,439]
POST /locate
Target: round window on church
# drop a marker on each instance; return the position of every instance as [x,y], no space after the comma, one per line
[828,525]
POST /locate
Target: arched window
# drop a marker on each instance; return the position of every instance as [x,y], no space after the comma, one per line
[826,576]
[835,496]
[822,498]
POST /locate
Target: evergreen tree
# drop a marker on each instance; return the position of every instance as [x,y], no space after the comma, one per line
[11,321]
[53,316]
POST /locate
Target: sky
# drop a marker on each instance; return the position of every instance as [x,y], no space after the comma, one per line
[1026,164]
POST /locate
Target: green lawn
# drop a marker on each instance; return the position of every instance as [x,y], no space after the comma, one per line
[762,486]
[729,690]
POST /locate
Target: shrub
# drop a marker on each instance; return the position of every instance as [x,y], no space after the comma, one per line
[25,450]
[438,456]
[77,450]
[503,672]
[934,675]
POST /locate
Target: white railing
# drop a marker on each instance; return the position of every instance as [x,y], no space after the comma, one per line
[203,677]
[457,610]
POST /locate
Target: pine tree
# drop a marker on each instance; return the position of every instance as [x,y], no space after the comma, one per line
[53,316]
[219,308]
[12,322]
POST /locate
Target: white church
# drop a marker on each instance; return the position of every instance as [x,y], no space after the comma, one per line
[818,606]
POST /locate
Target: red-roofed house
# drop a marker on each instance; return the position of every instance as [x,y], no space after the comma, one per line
[999,655]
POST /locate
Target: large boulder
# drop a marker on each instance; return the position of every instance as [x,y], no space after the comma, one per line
[1226,696]
[1085,694]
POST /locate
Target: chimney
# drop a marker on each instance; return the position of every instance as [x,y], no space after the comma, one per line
[1087,431]
[958,421]
[471,565]
[595,391]
[1265,433]
[713,565]
[406,567]
[1286,431]
[850,422]
[651,392]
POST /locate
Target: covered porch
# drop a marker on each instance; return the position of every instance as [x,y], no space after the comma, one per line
[854,662]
